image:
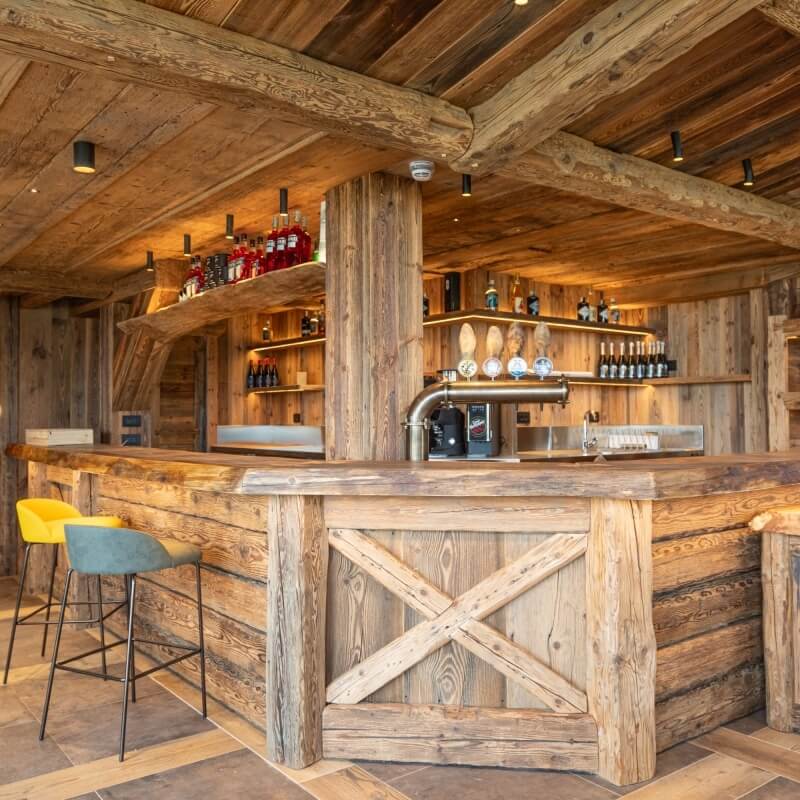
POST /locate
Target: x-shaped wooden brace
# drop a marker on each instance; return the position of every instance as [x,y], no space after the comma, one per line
[457,619]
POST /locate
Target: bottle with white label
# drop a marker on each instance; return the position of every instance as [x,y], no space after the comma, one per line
[584,312]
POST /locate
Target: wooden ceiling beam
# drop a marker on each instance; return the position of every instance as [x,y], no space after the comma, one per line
[621,46]
[571,164]
[41,281]
[114,38]
[704,287]
[785,13]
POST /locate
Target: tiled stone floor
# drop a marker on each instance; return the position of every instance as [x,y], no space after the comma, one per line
[175,754]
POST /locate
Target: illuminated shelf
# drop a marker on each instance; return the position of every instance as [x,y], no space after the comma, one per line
[289,389]
[288,344]
[272,291]
[483,315]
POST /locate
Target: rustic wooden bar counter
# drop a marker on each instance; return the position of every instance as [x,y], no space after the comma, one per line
[560,616]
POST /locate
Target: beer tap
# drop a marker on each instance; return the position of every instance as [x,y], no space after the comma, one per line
[467,344]
[515,341]
[493,366]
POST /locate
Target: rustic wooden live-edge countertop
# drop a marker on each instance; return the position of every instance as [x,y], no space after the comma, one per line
[640,480]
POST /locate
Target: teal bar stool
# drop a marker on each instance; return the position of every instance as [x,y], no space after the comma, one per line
[128,553]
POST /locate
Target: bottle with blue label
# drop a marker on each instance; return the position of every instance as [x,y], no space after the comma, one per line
[533,304]
[491,297]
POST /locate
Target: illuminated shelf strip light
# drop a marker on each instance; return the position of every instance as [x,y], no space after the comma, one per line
[278,345]
[287,389]
[610,329]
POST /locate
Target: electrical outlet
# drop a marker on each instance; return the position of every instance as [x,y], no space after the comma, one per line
[297,418]
[523,417]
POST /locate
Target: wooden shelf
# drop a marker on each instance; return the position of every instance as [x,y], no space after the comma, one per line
[619,383]
[699,380]
[289,389]
[288,344]
[265,293]
[483,315]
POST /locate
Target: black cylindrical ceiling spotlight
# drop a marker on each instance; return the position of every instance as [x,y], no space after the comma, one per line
[677,146]
[187,244]
[466,185]
[149,263]
[284,193]
[83,157]
[749,177]
[229,226]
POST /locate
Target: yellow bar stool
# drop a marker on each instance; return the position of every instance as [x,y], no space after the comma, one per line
[41,522]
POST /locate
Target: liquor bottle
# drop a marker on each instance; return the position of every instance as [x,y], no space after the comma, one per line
[640,365]
[274,378]
[623,369]
[492,299]
[650,372]
[615,315]
[517,300]
[314,322]
[266,332]
[241,260]
[209,277]
[294,242]
[308,242]
[272,241]
[426,306]
[305,325]
[321,325]
[261,259]
[230,275]
[602,364]
[533,304]
[613,365]
[452,291]
[251,377]
[632,361]
[602,311]
[584,311]
[661,361]
[280,243]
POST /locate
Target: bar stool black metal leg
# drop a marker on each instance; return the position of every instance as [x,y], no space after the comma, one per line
[133,641]
[54,658]
[20,590]
[50,597]
[202,641]
[127,674]
[102,625]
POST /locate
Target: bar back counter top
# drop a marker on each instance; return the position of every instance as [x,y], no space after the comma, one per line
[548,615]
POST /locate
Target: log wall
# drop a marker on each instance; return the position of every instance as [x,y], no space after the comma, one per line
[707,610]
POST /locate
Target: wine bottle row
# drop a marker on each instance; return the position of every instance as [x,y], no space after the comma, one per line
[263,374]
[632,362]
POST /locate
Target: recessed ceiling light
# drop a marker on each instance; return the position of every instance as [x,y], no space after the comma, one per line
[455,219]
[83,157]
[110,59]
[520,2]
[34,191]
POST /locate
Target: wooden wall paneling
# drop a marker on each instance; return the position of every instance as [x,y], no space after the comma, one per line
[373,351]
[9,400]
[182,396]
[355,603]
[454,562]
[619,586]
[777,363]
[755,395]
[211,394]
[298,564]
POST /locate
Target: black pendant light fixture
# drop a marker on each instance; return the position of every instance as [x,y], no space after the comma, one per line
[229,226]
[466,185]
[150,263]
[83,157]
[284,204]
[677,146]
[187,244]
[749,177]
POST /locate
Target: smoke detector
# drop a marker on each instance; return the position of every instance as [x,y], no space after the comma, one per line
[421,169]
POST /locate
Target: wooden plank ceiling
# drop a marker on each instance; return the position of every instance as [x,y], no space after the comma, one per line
[169,164]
